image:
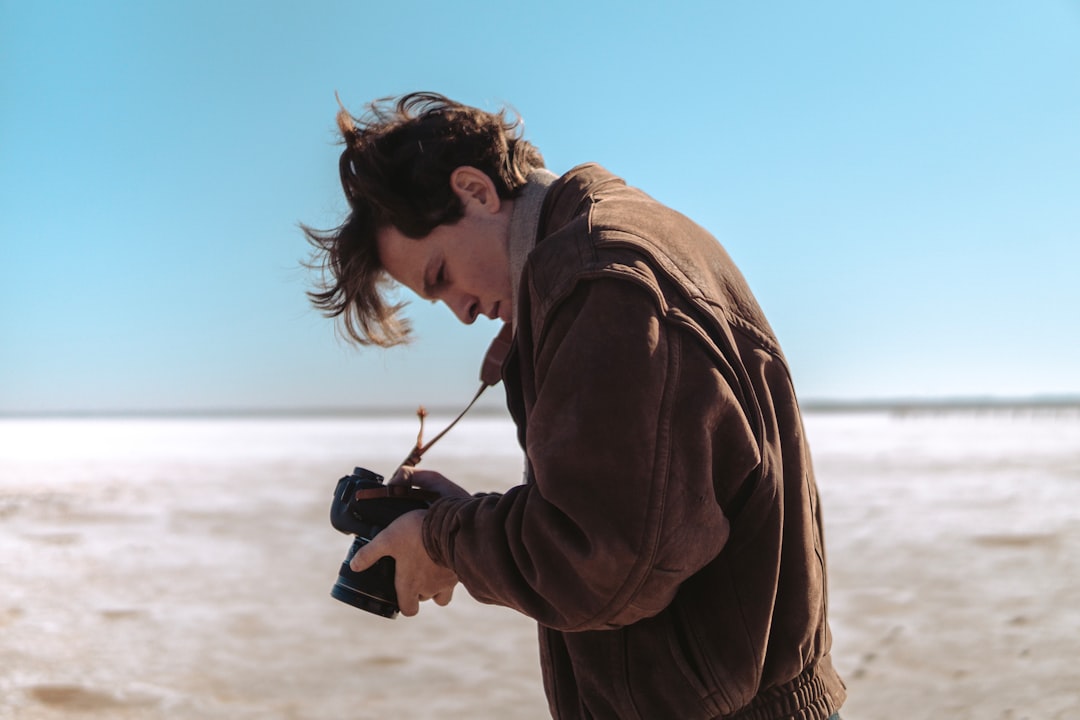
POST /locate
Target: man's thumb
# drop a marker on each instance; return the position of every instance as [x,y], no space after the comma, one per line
[365,557]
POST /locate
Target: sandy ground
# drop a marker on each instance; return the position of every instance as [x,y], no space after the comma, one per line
[181,569]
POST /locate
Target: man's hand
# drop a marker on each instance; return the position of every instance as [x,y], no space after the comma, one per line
[416,576]
[429,480]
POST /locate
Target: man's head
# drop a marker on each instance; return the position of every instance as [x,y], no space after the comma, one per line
[426,170]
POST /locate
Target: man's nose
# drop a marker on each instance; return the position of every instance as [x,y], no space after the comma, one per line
[466,308]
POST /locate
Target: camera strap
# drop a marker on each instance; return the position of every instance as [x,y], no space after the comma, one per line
[420,448]
[490,374]
[397,491]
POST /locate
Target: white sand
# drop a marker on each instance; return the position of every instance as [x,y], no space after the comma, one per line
[181,569]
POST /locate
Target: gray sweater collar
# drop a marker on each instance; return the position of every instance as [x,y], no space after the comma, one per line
[524,225]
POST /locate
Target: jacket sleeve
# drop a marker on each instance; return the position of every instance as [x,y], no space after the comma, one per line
[631,432]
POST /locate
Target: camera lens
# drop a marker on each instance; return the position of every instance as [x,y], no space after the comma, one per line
[371,590]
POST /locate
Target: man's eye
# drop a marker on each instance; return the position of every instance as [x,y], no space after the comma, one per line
[440,277]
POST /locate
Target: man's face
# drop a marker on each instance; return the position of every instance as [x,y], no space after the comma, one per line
[465,264]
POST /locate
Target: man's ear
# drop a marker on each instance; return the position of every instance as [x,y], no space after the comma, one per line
[475,188]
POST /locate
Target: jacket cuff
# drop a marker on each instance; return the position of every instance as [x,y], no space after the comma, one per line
[440,525]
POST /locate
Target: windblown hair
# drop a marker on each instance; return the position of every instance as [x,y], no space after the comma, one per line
[395,171]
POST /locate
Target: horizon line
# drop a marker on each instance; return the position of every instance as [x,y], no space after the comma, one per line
[813,405]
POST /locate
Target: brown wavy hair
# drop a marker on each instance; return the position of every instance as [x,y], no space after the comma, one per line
[395,171]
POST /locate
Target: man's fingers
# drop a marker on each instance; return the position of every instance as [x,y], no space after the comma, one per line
[431,480]
[402,476]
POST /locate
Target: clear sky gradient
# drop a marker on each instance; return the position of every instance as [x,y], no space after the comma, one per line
[899,181]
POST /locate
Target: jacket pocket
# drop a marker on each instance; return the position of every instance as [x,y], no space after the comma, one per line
[688,656]
[663,671]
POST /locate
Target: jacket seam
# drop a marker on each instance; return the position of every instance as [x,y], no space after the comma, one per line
[674,367]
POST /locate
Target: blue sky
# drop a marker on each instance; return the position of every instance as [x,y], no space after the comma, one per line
[899,181]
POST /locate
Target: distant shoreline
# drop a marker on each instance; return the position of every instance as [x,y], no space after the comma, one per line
[814,406]
[944,405]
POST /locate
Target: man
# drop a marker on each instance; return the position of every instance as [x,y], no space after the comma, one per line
[667,539]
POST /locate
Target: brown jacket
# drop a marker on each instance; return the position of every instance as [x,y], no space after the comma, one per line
[656,412]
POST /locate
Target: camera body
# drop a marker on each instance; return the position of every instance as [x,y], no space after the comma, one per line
[362,506]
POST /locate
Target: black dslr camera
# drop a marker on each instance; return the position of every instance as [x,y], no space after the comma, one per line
[363,506]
